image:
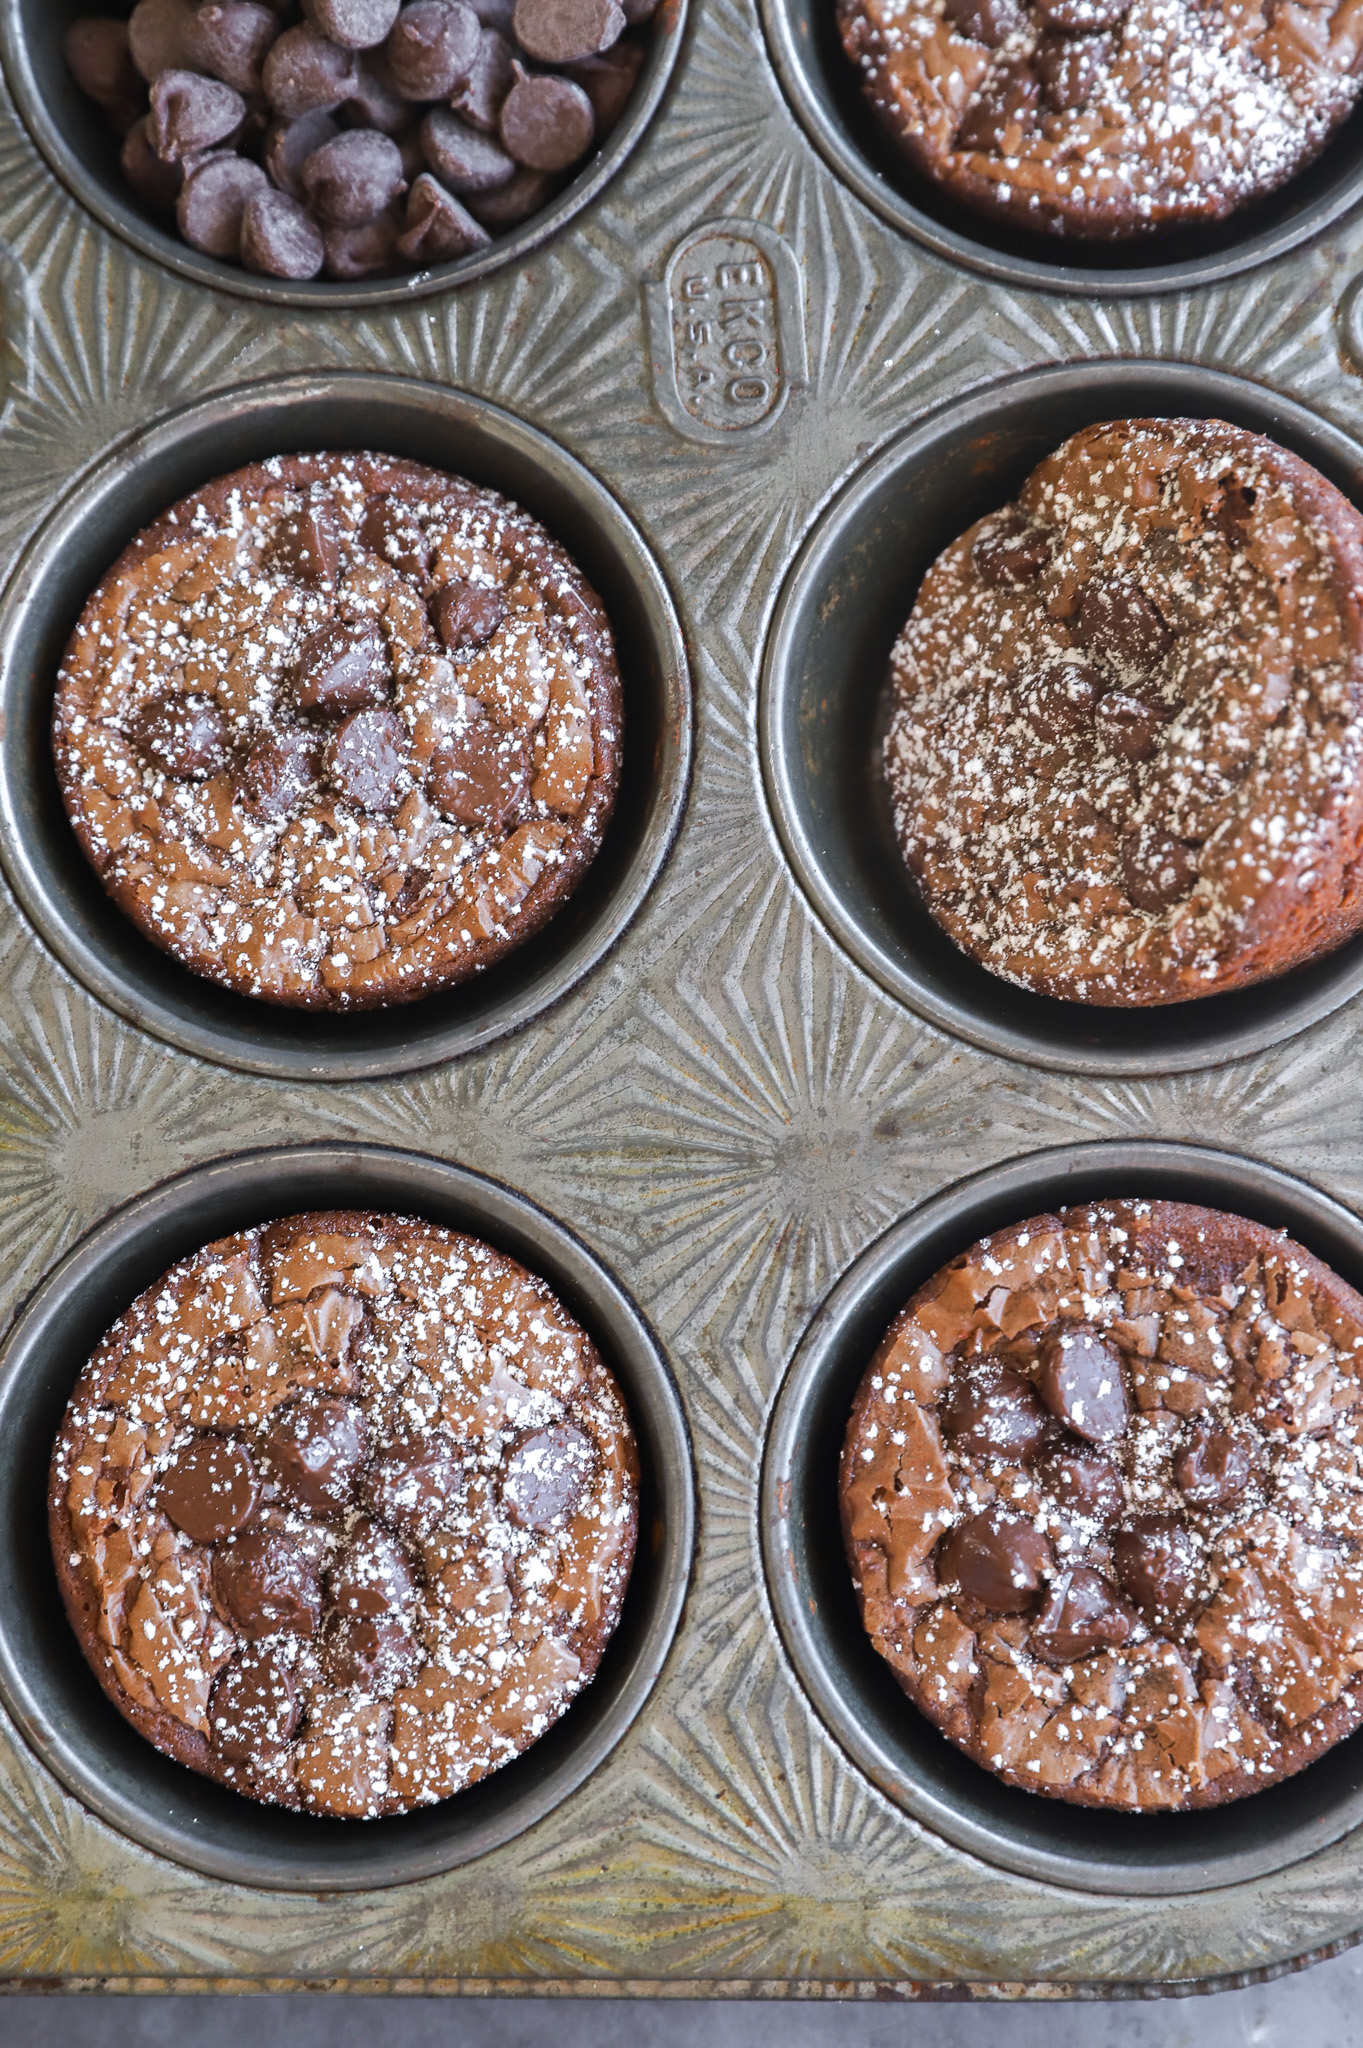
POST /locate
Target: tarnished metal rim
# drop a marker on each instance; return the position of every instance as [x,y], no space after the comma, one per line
[822,823]
[44,1682]
[150,470]
[807,1575]
[116,210]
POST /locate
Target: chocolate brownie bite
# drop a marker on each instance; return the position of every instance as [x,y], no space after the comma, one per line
[1103,1503]
[343,1510]
[1126,743]
[1104,120]
[339,730]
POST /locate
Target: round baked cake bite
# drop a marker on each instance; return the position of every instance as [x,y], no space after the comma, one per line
[1103,1502]
[1125,755]
[343,1511]
[1105,119]
[340,730]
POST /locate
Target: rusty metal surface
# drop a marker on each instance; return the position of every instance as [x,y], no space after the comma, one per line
[725,1109]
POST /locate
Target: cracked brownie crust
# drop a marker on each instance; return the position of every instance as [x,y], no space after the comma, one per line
[1104,120]
[339,730]
[1134,700]
[343,1510]
[1103,1504]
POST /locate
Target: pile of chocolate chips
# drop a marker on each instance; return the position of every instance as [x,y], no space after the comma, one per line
[365,138]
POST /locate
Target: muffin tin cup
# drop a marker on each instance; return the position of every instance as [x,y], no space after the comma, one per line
[144,475]
[83,151]
[45,1682]
[825,701]
[824,91]
[850,1685]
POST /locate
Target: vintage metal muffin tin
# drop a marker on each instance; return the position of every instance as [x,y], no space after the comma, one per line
[736,1099]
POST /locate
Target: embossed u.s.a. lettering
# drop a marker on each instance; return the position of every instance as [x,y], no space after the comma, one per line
[727,331]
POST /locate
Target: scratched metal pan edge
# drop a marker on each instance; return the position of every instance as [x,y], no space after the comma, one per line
[823,703]
[149,471]
[824,93]
[808,1581]
[47,1686]
[71,134]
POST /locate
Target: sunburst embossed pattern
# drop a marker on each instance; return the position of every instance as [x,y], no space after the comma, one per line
[726,1110]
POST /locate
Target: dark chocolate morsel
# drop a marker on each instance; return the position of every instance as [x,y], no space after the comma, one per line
[479,98]
[354,24]
[561,31]
[391,530]
[1010,554]
[341,668]
[547,122]
[316,1447]
[1117,621]
[991,1409]
[463,159]
[372,1575]
[1008,99]
[1213,1466]
[155,182]
[375,103]
[1082,1612]
[211,1489]
[370,250]
[467,614]
[99,58]
[280,768]
[431,48]
[278,239]
[1080,1378]
[305,543]
[546,1474]
[189,114]
[1060,701]
[365,758]
[160,37]
[306,73]
[213,200]
[351,179]
[1157,1563]
[413,1484]
[230,39]
[997,1558]
[267,1585]
[438,228]
[252,1711]
[1130,726]
[990,22]
[289,144]
[608,81]
[1156,869]
[479,774]
[510,204]
[1082,1483]
[370,1653]
[184,735]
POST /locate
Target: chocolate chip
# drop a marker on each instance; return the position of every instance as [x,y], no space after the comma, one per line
[289,144]
[1213,1466]
[997,1558]
[315,1447]
[1080,1378]
[365,759]
[1117,620]
[375,103]
[1082,1483]
[462,159]
[495,14]
[252,1712]
[370,250]
[992,1410]
[546,1475]
[1060,701]
[155,182]
[479,98]
[184,735]
[547,123]
[351,179]
[608,81]
[354,24]
[1157,1563]
[305,544]
[1082,1612]
[467,614]
[189,114]
[431,48]
[479,775]
[372,1575]
[230,41]
[1082,17]
[160,37]
[1156,869]
[390,529]
[561,31]
[369,1653]
[267,1586]
[1070,68]
[1010,555]
[1234,511]
[438,228]
[414,1484]
[211,1490]
[1130,726]
[212,201]
[99,58]
[280,768]
[278,239]
[1008,100]
[515,201]
[990,22]
[341,668]
[306,73]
